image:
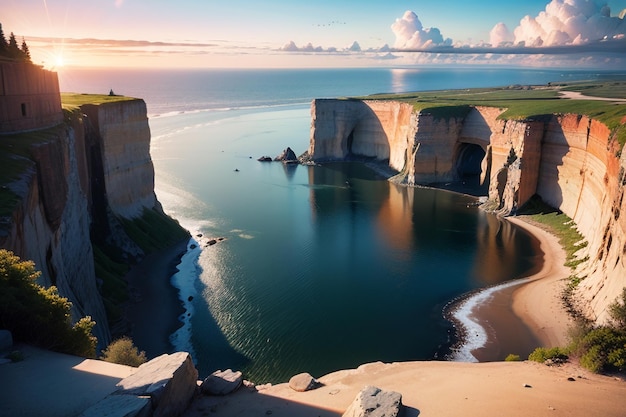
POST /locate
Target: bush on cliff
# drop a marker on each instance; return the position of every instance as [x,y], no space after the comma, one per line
[39,315]
[604,348]
[124,352]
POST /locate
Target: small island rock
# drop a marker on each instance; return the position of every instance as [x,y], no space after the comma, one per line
[288,156]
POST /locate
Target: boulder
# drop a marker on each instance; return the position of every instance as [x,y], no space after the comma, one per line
[374,402]
[265,159]
[303,382]
[120,406]
[221,382]
[169,380]
[287,157]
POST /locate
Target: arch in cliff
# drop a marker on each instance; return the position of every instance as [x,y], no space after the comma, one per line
[367,136]
[469,167]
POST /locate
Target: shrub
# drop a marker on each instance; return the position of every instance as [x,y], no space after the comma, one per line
[554,355]
[603,349]
[39,315]
[511,357]
[124,352]
[617,311]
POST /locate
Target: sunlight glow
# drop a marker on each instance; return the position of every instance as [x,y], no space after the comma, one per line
[58,61]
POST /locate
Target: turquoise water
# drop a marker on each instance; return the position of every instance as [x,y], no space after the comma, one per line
[321,268]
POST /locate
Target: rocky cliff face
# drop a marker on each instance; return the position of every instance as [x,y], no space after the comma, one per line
[570,161]
[89,171]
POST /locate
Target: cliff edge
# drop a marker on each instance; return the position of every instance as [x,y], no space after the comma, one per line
[77,188]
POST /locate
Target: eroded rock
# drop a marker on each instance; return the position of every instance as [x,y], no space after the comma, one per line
[222,382]
[374,402]
[169,380]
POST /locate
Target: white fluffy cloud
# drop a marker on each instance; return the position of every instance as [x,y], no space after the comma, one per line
[500,35]
[411,34]
[564,22]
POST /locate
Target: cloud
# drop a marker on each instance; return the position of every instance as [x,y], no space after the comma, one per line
[411,34]
[569,22]
[500,35]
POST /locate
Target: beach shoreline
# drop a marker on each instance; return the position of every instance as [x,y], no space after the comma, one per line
[155,308]
[517,316]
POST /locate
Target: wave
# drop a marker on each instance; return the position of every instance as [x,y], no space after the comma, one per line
[471,333]
[174,113]
[184,280]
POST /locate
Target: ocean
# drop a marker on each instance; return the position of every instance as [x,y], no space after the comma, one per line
[313,268]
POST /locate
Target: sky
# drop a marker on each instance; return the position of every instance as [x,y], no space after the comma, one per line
[318,33]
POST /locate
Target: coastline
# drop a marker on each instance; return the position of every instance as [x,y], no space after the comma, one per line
[155,308]
[517,316]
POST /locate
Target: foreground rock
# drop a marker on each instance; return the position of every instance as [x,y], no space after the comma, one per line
[162,387]
[221,382]
[374,402]
[303,382]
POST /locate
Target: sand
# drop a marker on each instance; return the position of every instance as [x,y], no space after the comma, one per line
[453,388]
[536,301]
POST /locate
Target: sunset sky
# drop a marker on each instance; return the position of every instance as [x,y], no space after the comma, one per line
[320,33]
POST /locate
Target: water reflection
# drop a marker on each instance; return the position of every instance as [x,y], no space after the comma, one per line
[425,220]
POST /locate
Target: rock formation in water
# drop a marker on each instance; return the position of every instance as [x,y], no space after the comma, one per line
[569,160]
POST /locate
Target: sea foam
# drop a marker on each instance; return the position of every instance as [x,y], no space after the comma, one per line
[473,331]
[184,280]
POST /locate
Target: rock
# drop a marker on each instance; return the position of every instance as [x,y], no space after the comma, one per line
[222,382]
[374,402]
[6,340]
[571,379]
[265,159]
[120,406]
[303,382]
[288,157]
[169,381]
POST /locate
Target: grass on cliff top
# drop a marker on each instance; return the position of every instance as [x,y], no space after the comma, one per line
[71,101]
[520,103]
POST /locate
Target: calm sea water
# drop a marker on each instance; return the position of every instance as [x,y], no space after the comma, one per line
[321,268]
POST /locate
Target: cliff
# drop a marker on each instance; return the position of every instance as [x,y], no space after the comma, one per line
[572,162]
[80,182]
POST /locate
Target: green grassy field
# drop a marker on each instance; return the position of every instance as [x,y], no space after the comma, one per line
[71,101]
[526,102]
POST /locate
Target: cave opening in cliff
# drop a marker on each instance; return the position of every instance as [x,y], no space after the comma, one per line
[468,165]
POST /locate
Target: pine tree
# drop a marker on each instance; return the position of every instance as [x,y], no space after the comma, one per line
[14,50]
[25,51]
[3,42]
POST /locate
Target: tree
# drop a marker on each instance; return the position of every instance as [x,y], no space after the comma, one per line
[25,51]
[13,50]
[3,42]
[39,315]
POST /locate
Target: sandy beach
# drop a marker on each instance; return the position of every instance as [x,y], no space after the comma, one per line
[536,300]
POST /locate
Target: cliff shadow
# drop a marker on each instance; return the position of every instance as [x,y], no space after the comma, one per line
[366,137]
[554,151]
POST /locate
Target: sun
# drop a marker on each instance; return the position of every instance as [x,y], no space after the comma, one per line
[58,61]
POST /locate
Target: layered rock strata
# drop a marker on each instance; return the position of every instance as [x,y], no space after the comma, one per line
[571,161]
